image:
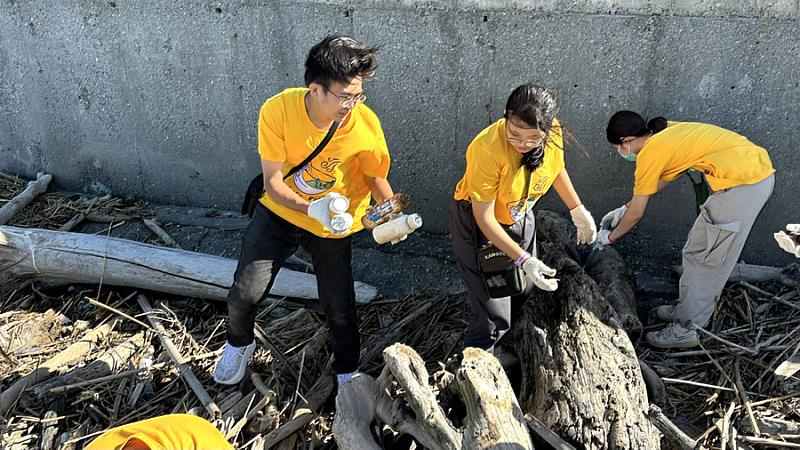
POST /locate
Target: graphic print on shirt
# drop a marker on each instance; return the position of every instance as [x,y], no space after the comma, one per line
[313,180]
[518,208]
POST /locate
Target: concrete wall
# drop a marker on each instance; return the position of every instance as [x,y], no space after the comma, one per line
[159,98]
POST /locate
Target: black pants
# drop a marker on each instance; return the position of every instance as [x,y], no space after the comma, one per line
[267,243]
[490,318]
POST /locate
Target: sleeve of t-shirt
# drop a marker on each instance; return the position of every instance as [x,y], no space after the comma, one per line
[483,174]
[375,163]
[648,172]
[271,145]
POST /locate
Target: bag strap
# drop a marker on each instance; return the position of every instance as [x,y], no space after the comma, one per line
[312,155]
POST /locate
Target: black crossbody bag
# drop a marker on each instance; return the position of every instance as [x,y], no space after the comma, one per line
[255,190]
[501,276]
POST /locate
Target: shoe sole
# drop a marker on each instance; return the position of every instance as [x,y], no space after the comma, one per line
[675,345]
[240,373]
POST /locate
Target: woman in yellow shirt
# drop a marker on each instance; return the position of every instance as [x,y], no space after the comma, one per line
[510,165]
[741,175]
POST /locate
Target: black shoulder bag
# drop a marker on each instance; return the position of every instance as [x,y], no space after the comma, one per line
[255,190]
[500,275]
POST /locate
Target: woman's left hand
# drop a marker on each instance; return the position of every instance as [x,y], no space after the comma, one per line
[584,222]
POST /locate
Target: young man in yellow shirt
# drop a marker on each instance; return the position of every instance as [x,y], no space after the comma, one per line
[741,175]
[296,210]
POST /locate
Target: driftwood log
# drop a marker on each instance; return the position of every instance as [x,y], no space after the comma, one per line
[614,277]
[34,188]
[83,258]
[493,419]
[581,378]
[580,373]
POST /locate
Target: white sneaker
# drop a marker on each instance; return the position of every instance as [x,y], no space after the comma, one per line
[232,365]
[673,336]
[664,313]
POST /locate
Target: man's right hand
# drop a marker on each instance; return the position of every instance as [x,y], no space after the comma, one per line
[538,272]
[320,210]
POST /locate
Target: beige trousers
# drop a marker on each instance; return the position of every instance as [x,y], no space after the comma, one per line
[715,242]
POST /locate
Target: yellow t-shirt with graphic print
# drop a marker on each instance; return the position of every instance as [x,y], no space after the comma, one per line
[357,150]
[170,432]
[494,172]
[726,158]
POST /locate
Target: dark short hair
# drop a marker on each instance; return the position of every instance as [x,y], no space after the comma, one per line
[628,123]
[537,107]
[339,58]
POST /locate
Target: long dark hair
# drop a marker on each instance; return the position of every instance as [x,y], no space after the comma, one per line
[628,123]
[535,106]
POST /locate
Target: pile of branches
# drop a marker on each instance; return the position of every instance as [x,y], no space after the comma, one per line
[107,363]
[129,374]
[740,385]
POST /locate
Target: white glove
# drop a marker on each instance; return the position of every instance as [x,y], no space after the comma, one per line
[787,241]
[611,220]
[584,222]
[536,271]
[604,238]
[320,210]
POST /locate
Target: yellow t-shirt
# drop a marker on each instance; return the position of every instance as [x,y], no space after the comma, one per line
[357,149]
[171,432]
[494,172]
[726,158]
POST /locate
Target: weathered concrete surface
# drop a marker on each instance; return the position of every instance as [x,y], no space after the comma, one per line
[159,98]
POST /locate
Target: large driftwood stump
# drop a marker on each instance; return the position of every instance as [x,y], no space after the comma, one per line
[493,417]
[580,374]
[85,258]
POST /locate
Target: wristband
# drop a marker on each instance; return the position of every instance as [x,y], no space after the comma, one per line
[522,258]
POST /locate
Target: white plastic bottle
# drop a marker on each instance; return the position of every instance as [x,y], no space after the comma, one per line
[397,228]
[341,220]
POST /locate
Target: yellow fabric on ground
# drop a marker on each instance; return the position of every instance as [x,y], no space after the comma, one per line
[727,159]
[357,149]
[494,172]
[171,432]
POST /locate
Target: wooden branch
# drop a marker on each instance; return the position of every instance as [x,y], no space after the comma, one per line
[109,362]
[50,433]
[671,431]
[73,222]
[355,409]
[753,273]
[201,217]
[494,419]
[163,235]
[544,433]
[84,258]
[319,393]
[34,188]
[74,352]
[432,427]
[185,371]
